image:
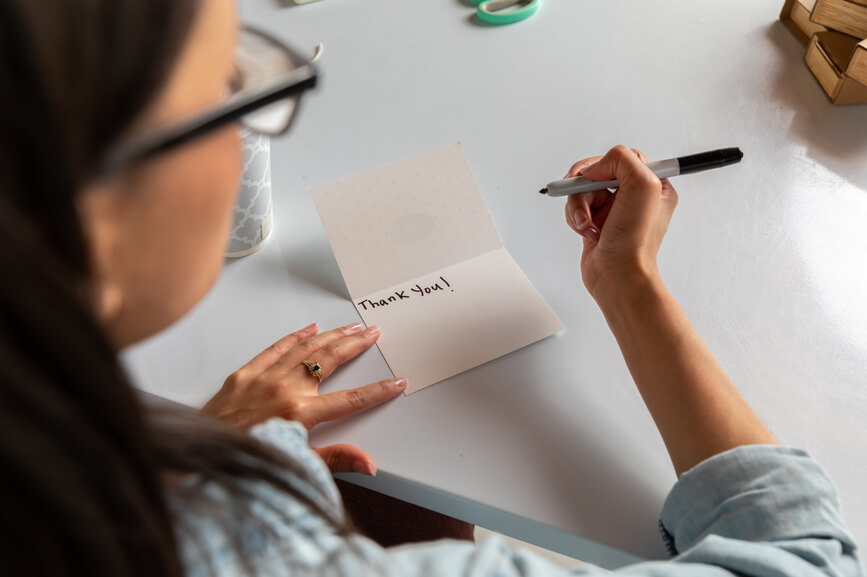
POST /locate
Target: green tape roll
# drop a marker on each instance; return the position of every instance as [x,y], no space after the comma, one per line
[488,11]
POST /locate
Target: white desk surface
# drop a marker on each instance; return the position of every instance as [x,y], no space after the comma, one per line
[767,258]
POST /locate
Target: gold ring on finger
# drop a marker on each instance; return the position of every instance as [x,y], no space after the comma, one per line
[314,369]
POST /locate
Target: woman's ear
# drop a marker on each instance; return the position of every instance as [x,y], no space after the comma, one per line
[98,212]
[108,303]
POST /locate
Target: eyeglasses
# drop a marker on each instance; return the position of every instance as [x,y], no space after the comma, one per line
[264,95]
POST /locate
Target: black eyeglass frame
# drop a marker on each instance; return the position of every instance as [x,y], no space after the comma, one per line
[301,78]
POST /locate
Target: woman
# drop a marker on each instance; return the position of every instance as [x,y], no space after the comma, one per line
[110,230]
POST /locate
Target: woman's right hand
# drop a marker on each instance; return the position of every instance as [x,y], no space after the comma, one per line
[622,231]
[698,410]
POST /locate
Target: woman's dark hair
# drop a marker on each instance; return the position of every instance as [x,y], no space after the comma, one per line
[81,466]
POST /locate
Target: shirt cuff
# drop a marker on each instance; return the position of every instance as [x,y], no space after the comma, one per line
[753,493]
[291,438]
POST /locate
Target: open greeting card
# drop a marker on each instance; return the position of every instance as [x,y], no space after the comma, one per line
[422,260]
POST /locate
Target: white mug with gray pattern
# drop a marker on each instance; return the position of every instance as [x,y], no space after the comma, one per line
[252,217]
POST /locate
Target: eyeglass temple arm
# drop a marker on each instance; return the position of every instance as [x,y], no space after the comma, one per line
[301,79]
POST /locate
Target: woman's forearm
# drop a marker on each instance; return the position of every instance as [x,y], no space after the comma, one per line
[696,407]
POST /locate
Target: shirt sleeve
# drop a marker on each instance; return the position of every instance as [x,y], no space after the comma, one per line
[759,510]
[291,438]
[755,511]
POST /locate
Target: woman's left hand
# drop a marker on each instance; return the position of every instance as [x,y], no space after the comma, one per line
[276,383]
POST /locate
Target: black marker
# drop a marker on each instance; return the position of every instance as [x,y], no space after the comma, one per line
[661,168]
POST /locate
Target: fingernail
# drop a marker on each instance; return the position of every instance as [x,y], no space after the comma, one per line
[310,328]
[374,330]
[353,328]
[579,218]
[591,232]
[399,384]
[363,468]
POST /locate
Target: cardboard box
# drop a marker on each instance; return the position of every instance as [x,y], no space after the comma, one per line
[828,57]
[857,67]
[842,15]
[796,17]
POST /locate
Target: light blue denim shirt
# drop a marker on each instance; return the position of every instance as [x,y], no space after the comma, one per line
[762,511]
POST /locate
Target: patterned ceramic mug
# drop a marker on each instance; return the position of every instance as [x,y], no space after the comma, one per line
[252,218]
